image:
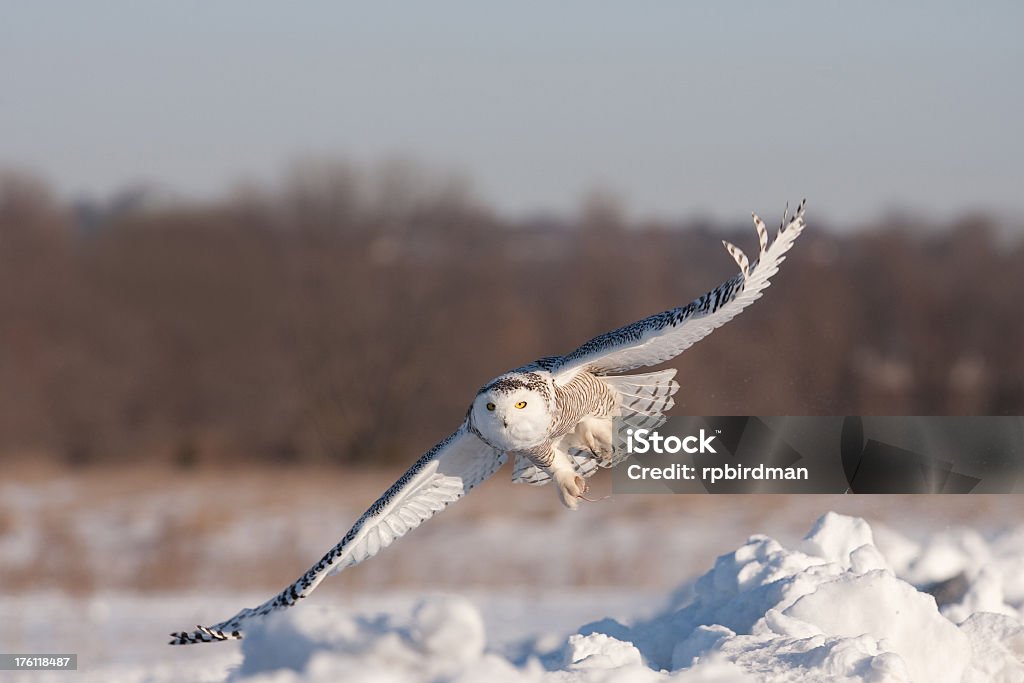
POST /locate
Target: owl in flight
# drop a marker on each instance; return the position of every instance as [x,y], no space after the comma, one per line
[553,416]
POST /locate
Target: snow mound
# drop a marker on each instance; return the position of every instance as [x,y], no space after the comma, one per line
[443,637]
[832,610]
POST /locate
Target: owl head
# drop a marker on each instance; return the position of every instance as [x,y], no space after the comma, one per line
[513,412]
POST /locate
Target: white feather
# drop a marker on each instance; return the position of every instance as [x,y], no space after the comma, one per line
[665,335]
[439,478]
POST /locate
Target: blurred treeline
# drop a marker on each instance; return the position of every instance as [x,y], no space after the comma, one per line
[349,317]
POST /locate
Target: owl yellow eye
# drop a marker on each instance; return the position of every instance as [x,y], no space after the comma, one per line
[490,406]
[521,405]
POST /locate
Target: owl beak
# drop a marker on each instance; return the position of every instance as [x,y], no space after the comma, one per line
[505,421]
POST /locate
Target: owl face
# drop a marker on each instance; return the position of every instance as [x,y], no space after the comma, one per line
[512,420]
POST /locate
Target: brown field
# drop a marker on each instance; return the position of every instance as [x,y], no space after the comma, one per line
[154,529]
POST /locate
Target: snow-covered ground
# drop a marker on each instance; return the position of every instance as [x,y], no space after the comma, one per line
[508,586]
[837,607]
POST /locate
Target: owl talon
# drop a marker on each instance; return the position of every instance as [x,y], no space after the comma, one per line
[571,487]
[586,489]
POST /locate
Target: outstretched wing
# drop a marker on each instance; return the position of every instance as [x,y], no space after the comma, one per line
[665,335]
[439,478]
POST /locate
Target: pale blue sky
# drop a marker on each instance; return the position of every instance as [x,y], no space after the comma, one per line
[716,108]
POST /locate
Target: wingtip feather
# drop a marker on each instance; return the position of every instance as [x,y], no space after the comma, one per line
[202,634]
[762,232]
[738,256]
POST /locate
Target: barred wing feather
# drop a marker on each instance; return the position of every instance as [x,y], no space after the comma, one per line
[525,472]
[442,476]
[665,335]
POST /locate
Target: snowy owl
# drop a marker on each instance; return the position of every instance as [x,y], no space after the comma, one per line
[554,416]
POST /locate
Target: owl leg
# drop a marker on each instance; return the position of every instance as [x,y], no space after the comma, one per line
[570,486]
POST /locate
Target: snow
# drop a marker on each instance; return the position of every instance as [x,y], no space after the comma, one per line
[848,602]
[831,610]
